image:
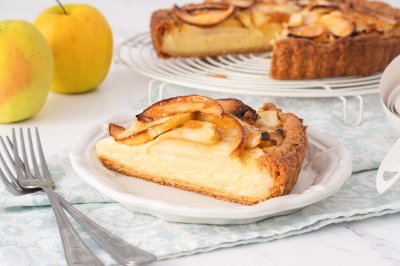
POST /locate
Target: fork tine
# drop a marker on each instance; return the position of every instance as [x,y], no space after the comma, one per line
[33,157]
[25,164]
[18,167]
[5,166]
[9,185]
[45,168]
[6,149]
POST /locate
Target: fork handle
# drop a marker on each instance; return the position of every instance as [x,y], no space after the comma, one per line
[76,251]
[123,252]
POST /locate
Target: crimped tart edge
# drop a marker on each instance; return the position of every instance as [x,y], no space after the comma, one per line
[362,55]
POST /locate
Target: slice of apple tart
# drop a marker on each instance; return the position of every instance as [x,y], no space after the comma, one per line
[220,148]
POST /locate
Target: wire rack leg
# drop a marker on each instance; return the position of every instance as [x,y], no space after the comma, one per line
[360,112]
[151,87]
[161,91]
[155,91]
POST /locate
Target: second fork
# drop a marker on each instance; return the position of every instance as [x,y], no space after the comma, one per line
[76,251]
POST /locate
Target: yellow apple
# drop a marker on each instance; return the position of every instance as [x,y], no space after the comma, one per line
[81,41]
[26,70]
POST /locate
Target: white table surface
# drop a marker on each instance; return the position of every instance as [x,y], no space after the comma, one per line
[374,241]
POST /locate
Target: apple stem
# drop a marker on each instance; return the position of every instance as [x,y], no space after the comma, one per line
[62,7]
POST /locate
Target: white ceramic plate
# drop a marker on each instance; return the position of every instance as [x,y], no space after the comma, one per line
[327,166]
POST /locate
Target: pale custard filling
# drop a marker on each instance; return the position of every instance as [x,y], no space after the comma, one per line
[192,163]
[228,37]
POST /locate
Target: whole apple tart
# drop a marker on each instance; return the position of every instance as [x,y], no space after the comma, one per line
[220,148]
[308,38]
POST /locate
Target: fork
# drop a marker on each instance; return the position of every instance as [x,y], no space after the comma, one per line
[76,251]
[121,251]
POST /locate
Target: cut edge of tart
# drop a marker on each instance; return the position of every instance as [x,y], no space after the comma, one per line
[242,155]
[347,34]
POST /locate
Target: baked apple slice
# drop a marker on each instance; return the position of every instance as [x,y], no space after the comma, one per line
[195,131]
[367,23]
[181,104]
[232,134]
[306,31]
[253,135]
[205,14]
[296,20]
[324,7]
[240,3]
[239,109]
[131,137]
[337,25]
[269,119]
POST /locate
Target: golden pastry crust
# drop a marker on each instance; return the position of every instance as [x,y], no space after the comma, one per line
[161,22]
[283,163]
[286,160]
[351,56]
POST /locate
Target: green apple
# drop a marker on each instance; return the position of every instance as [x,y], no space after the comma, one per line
[26,70]
[81,41]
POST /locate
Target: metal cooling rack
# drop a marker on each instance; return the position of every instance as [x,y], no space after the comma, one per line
[239,74]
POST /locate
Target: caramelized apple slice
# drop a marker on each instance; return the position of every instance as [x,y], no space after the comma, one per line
[253,135]
[275,138]
[307,31]
[233,106]
[240,3]
[337,25]
[324,7]
[181,104]
[367,23]
[204,15]
[131,137]
[114,130]
[296,20]
[195,131]
[237,108]
[231,132]
[258,18]
[245,19]
[268,119]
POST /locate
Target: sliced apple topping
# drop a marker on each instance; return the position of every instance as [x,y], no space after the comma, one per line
[231,132]
[244,18]
[131,137]
[272,140]
[233,106]
[267,8]
[181,104]
[268,119]
[205,14]
[253,135]
[240,3]
[296,20]
[237,108]
[115,130]
[324,7]
[337,25]
[195,131]
[367,23]
[307,31]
